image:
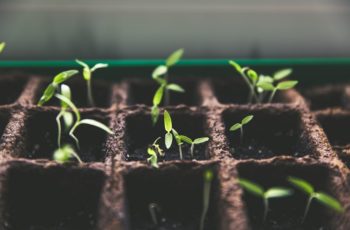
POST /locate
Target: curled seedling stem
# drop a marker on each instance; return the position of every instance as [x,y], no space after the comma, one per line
[87,74]
[207,178]
[265,195]
[239,126]
[321,197]
[154,209]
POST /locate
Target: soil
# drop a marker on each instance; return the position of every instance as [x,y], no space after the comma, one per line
[11,89]
[115,185]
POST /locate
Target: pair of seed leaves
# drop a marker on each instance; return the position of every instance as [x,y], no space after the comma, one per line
[2,46]
[168,125]
[87,71]
[244,121]
[301,184]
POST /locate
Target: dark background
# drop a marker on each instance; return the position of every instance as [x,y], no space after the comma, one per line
[128,29]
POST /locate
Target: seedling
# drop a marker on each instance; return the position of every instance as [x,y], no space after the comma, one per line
[265,195]
[168,126]
[239,126]
[87,74]
[154,150]
[321,197]
[161,76]
[153,209]
[54,85]
[207,177]
[79,121]
[194,142]
[179,142]
[269,86]
[66,115]
[2,46]
[64,154]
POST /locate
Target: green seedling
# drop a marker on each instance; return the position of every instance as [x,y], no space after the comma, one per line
[87,74]
[154,150]
[161,76]
[79,121]
[239,126]
[269,86]
[194,142]
[168,126]
[65,154]
[208,178]
[67,116]
[154,209]
[2,46]
[52,88]
[321,197]
[179,142]
[265,195]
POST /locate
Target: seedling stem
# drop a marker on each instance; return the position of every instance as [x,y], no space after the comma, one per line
[208,177]
[153,209]
[240,125]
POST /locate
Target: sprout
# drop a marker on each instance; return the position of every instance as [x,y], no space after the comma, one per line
[257,190]
[284,85]
[207,177]
[2,46]
[321,197]
[194,142]
[168,126]
[178,142]
[239,126]
[78,121]
[54,85]
[153,209]
[87,74]
[160,75]
[154,150]
[64,154]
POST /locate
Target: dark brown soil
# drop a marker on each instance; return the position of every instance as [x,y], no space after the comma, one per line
[11,89]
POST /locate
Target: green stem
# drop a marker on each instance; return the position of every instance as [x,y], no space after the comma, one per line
[166,93]
[241,137]
[77,157]
[307,208]
[192,150]
[266,209]
[59,128]
[272,95]
[206,198]
[89,94]
[71,133]
[180,152]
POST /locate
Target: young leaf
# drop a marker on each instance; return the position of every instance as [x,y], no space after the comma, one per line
[329,201]
[174,57]
[2,46]
[65,91]
[277,192]
[48,94]
[251,187]
[286,85]
[99,66]
[64,76]
[158,96]
[279,75]
[247,119]
[153,158]
[83,64]
[252,75]
[302,185]
[236,66]
[267,86]
[186,139]
[155,114]
[159,71]
[200,140]
[70,104]
[235,127]
[68,119]
[175,87]
[97,124]
[167,122]
[168,140]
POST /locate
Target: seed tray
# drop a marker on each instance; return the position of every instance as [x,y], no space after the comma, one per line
[112,189]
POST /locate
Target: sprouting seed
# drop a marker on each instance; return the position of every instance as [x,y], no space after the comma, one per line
[207,178]
[87,74]
[239,126]
[160,75]
[265,195]
[194,142]
[321,197]
[2,46]
[79,121]
[154,150]
[65,154]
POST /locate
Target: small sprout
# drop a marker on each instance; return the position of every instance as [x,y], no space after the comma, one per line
[284,85]
[154,150]
[281,74]
[87,74]
[321,197]
[194,142]
[65,154]
[160,75]
[54,85]
[168,125]
[178,142]
[153,209]
[208,178]
[78,121]
[2,46]
[257,190]
[240,125]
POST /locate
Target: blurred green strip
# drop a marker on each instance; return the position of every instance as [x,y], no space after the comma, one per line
[185,63]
